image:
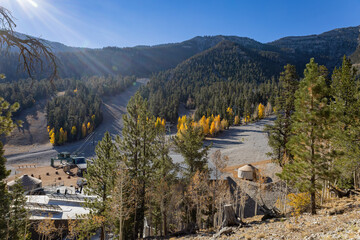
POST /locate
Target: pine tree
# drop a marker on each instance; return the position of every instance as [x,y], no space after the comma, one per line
[100,178]
[190,145]
[310,142]
[280,132]
[6,126]
[138,146]
[163,180]
[4,195]
[18,216]
[346,106]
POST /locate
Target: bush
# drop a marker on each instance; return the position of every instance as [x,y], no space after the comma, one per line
[300,202]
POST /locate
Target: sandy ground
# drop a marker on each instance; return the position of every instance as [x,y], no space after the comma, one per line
[243,145]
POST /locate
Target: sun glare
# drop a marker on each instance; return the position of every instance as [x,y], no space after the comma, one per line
[33,3]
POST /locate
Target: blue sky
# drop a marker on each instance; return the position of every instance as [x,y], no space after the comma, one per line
[99,23]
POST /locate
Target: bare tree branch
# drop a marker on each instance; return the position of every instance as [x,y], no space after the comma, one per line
[33,52]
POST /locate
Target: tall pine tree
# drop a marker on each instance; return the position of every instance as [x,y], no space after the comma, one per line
[346,107]
[100,178]
[137,144]
[311,129]
[280,132]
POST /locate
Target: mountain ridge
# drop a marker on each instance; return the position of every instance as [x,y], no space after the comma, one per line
[142,61]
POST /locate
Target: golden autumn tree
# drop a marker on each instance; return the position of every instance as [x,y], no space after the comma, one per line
[73,131]
[204,123]
[212,129]
[83,130]
[61,136]
[89,127]
[52,136]
[224,124]
[261,111]
[160,123]
[236,120]
[217,124]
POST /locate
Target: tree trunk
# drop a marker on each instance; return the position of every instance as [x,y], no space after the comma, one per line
[313,197]
[230,218]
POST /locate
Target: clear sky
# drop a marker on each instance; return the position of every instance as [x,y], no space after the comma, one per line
[99,23]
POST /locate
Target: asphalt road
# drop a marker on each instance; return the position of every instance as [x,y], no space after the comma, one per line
[113,108]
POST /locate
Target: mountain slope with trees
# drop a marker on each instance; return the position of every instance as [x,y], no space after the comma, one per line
[142,61]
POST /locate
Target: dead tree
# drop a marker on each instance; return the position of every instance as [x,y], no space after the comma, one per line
[230,218]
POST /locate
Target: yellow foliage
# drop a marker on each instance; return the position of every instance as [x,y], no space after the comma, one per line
[236,120]
[93,118]
[159,122]
[181,121]
[261,111]
[300,202]
[61,136]
[75,90]
[48,128]
[212,128]
[73,130]
[217,123]
[52,136]
[224,124]
[247,119]
[230,111]
[83,130]
[204,124]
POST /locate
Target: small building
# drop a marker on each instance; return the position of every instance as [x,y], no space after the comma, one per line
[28,183]
[248,172]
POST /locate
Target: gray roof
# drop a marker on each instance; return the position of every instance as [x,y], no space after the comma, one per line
[26,181]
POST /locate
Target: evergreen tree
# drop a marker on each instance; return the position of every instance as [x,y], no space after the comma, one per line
[137,144]
[346,107]
[18,216]
[189,143]
[6,126]
[164,179]
[310,142]
[280,132]
[100,178]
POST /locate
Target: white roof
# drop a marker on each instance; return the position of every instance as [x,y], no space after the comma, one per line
[63,209]
[247,168]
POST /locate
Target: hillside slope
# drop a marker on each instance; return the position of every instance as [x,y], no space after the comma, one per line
[241,73]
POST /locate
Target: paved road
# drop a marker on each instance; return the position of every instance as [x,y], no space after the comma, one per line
[113,109]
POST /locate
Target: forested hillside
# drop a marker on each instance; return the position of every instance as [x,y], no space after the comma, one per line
[328,48]
[228,74]
[73,106]
[241,74]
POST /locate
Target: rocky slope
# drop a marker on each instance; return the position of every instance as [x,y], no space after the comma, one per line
[337,219]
